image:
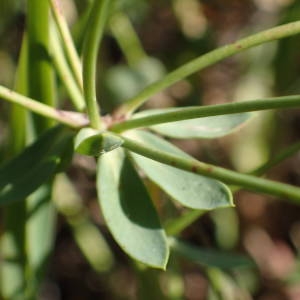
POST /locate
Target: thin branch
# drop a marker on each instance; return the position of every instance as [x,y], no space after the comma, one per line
[206,60]
[98,19]
[281,156]
[68,44]
[248,182]
[71,119]
[127,38]
[180,114]
[64,71]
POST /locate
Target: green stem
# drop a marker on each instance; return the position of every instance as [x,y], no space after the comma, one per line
[98,19]
[230,177]
[13,252]
[284,154]
[68,44]
[80,27]
[40,73]
[174,227]
[207,60]
[127,38]
[18,115]
[71,119]
[180,114]
[40,227]
[64,72]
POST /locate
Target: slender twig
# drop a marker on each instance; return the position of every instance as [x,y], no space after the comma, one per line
[68,44]
[278,158]
[177,225]
[127,38]
[64,72]
[80,28]
[179,114]
[98,19]
[71,119]
[248,182]
[208,60]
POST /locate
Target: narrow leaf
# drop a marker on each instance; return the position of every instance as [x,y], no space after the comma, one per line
[35,165]
[209,257]
[29,157]
[129,212]
[40,229]
[191,190]
[206,127]
[19,189]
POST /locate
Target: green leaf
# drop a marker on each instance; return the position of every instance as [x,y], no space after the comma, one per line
[65,151]
[23,186]
[206,127]
[35,165]
[40,235]
[209,257]
[191,190]
[129,212]
[30,156]
[92,142]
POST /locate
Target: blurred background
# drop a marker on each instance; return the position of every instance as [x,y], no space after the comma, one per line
[169,34]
